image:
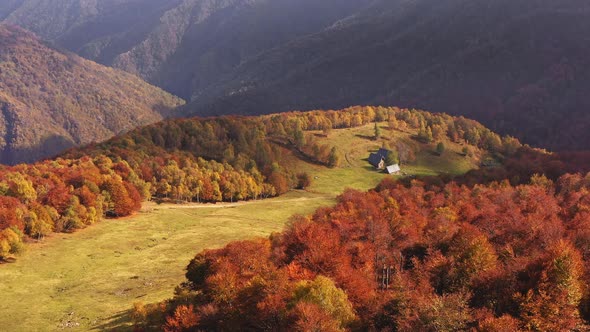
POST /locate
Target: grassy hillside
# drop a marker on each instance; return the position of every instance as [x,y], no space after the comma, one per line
[50,100]
[141,258]
[356,172]
[219,159]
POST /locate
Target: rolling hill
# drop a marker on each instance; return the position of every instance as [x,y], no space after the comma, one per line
[52,100]
[141,257]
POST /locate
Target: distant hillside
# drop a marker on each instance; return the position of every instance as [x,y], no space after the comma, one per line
[51,100]
[520,67]
[180,45]
[8,6]
[98,30]
[201,41]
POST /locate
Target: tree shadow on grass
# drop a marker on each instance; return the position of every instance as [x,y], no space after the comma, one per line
[367,137]
[435,154]
[371,168]
[7,260]
[120,321]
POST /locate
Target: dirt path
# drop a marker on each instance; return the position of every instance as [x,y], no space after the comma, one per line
[347,157]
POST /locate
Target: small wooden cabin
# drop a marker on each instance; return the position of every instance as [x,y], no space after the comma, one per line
[377,159]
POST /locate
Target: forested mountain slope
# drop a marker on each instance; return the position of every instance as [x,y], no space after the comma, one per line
[51,101]
[180,45]
[98,30]
[8,6]
[520,67]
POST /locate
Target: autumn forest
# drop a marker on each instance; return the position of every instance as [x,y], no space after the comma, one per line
[202,160]
[500,248]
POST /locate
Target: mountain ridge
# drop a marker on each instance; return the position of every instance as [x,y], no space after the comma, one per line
[518,67]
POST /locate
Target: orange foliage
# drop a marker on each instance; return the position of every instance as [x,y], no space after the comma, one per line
[183,319]
[493,257]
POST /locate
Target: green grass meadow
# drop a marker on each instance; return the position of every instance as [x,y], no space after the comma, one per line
[88,280]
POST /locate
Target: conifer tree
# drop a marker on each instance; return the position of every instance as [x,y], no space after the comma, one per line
[377,131]
[333,158]
[440,148]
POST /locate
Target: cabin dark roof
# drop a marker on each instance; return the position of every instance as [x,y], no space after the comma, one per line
[375,159]
[383,153]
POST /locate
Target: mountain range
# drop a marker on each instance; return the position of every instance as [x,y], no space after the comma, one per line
[519,67]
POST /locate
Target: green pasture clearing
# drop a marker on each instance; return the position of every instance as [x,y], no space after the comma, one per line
[89,280]
[355,144]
